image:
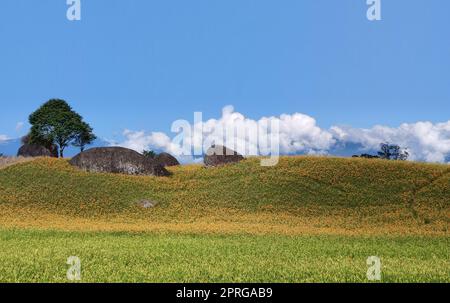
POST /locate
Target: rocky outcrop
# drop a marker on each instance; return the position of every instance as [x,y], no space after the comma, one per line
[166,159]
[117,160]
[29,149]
[33,150]
[220,155]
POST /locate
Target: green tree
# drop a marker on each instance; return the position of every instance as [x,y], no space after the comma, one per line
[392,152]
[86,137]
[56,122]
[149,154]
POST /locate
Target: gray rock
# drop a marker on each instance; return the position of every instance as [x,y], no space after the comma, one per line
[166,159]
[33,150]
[147,204]
[220,155]
[29,149]
[117,160]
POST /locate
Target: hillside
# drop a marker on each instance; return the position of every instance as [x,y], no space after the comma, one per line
[300,195]
[309,219]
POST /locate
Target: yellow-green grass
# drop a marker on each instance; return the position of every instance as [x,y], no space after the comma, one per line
[41,256]
[306,219]
[8,161]
[300,195]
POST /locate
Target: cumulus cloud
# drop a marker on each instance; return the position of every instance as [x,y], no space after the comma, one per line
[425,141]
[140,141]
[298,134]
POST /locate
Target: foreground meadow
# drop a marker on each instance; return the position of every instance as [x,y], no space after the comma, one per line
[40,256]
[307,219]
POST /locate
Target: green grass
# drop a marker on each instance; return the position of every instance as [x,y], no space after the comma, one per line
[308,219]
[295,181]
[32,256]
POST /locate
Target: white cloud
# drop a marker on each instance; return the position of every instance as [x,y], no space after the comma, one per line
[140,141]
[424,140]
[3,138]
[299,133]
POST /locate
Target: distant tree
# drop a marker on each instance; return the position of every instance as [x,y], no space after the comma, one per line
[392,152]
[149,154]
[56,122]
[366,156]
[403,156]
[86,137]
[1,155]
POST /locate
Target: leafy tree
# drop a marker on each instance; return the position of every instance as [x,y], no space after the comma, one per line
[86,137]
[149,153]
[367,156]
[392,152]
[56,122]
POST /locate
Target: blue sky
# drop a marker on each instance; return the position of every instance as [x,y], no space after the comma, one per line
[142,64]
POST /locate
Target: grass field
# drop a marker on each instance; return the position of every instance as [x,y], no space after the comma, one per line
[307,219]
[40,256]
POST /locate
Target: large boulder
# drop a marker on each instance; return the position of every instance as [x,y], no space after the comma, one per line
[29,149]
[33,150]
[218,155]
[166,159]
[117,160]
